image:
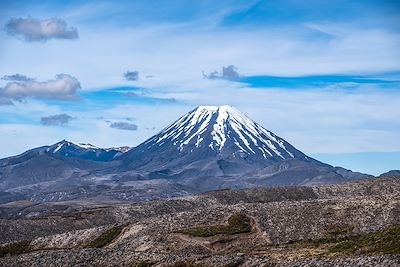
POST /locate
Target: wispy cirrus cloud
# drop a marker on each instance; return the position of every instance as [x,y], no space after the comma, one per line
[124,126]
[63,87]
[5,102]
[17,77]
[56,120]
[31,29]
[318,81]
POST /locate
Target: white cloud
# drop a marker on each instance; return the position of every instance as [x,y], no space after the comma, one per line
[64,87]
[40,30]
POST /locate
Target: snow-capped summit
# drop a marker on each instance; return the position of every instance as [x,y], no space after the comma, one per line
[210,135]
[218,127]
[64,144]
[70,149]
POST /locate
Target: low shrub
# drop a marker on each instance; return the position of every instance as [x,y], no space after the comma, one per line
[105,238]
[15,248]
[237,223]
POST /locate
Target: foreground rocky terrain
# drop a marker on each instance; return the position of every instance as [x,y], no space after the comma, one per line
[352,224]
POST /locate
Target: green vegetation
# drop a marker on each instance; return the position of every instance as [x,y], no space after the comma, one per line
[106,237]
[381,242]
[16,248]
[237,223]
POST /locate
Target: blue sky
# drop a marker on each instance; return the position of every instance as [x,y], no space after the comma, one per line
[324,75]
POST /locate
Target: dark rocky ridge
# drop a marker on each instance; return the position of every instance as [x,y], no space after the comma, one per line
[66,149]
[63,162]
[391,173]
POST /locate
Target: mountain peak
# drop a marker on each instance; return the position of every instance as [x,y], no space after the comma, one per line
[214,108]
[222,129]
[217,117]
[69,149]
[62,143]
[224,109]
[211,141]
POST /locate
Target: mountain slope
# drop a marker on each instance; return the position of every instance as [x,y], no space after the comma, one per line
[391,173]
[63,160]
[209,132]
[212,141]
[69,149]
